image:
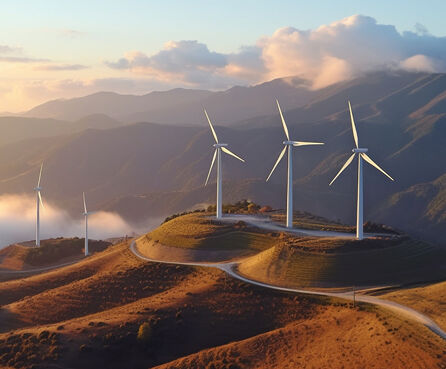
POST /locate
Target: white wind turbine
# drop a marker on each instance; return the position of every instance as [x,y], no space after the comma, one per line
[219,147]
[86,214]
[39,202]
[361,155]
[289,144]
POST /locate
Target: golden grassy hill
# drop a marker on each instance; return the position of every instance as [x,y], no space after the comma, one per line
[113,310]
[297,261]
[430,300]
[327,263]
[52,251]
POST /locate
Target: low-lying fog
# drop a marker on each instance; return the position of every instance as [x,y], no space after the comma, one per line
[18,222]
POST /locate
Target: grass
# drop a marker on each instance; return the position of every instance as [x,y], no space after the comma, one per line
[314,222]
[409,261]
[430,300]
[51,251]
[196,231]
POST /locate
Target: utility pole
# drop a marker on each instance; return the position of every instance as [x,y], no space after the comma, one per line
[354,297]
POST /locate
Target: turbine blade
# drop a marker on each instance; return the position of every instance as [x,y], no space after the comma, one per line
[85,203]
[210,169]
[355,134]
[229,152]
[277,162]
[40,175]
[40,199]
[371,162]
[302,143]
[285,128]
[210,125]
[347,163]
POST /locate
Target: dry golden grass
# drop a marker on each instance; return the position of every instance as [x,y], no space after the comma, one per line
[13,257]
[198,231]
[430,300]
[336,338]
[291,266]
[88,315]
[52,251]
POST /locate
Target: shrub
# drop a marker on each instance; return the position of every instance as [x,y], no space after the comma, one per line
[265,209]
[145,333]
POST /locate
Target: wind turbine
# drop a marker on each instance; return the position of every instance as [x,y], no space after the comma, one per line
[361,155]
[86,214]
[39,202]
[289,145]
[219,147]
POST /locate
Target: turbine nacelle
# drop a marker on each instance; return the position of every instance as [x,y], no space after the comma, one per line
[359,150]
[220,145]
[37,188]
[289,143]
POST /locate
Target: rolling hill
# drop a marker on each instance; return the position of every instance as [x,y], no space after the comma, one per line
[113,310]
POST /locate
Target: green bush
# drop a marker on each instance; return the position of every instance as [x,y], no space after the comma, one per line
[145,333]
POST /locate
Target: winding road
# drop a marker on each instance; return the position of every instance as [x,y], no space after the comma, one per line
[229,268]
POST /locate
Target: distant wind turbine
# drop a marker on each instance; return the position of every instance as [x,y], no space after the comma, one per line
[289,144]
[361,155]
[39,202]
[86,214]
[219,147]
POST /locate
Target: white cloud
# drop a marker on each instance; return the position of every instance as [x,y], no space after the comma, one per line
[323,56]
[422,63]
[61,67]
[17,222]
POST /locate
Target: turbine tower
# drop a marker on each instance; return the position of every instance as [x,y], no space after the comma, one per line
[219,147]
[39,202]
[289,146]
[86,214]
[361,155]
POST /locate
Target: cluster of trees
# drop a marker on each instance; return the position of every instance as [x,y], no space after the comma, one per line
[242,207]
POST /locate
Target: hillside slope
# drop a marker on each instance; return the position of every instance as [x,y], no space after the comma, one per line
[94,310]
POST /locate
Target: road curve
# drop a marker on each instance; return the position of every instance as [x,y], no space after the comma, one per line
[229,268]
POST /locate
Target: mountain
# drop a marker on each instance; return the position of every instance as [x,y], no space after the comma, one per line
[182,106]
[16,129]
[149,169]
[115,105]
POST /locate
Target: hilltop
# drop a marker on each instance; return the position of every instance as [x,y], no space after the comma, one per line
[297,259]
[25,256]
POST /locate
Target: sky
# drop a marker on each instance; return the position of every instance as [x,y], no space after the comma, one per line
[60,49]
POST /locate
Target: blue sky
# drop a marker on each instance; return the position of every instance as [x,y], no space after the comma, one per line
[114,27]
[61,48]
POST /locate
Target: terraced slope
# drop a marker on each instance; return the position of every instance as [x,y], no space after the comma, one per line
[406,262]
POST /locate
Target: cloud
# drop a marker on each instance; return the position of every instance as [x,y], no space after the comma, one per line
[71,33]
[345,49]
[422,63]
[17,222]
[21,59]
[5,49]
[61,67]
[187,62]
[322,56]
